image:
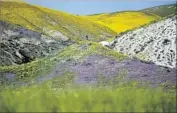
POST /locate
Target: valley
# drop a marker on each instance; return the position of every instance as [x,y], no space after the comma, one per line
[49,56]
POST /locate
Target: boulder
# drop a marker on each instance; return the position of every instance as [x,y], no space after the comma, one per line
[105,43]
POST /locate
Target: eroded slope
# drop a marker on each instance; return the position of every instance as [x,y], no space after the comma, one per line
[20,45]
[156,43]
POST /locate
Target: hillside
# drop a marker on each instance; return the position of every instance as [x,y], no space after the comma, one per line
[19,45]
[162,11]
[51,61]
[52,23]
[156,43]
[123,21]
[126,20]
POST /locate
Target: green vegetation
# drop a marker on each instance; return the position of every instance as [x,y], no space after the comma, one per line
[60,95]
[161,11]
[29,69]
[44,65]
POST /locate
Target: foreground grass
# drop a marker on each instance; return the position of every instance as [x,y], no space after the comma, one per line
[62,95]
[48,98]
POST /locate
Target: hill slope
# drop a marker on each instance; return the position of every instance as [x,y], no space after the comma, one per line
[53,23]
[156,43]
[126,20]
[162,11]
[123,21]
[20,45]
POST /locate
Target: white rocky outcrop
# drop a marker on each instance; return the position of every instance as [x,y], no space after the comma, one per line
[104,43]
[156,43]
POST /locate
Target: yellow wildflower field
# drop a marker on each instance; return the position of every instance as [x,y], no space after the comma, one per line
[123,21]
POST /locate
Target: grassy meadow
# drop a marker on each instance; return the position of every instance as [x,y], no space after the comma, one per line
[61,95]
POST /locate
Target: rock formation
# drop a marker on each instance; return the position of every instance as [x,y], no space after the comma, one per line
[19,45]
[155,43]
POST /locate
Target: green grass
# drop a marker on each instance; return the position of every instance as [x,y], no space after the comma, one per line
[31,69]
[60,95]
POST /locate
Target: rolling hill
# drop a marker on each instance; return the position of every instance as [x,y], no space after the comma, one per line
[52,23]
[163,10]
[120,22]
[126,20]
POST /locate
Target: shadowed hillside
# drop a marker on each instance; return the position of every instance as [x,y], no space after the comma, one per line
[19,45]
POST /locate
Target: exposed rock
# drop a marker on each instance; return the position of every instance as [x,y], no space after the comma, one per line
[19,45]
[156,43]
[105,43]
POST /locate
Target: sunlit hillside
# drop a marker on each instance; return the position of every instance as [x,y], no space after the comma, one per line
[162,11]
[52,61]
[51,22]
[122,21]
[126,20]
